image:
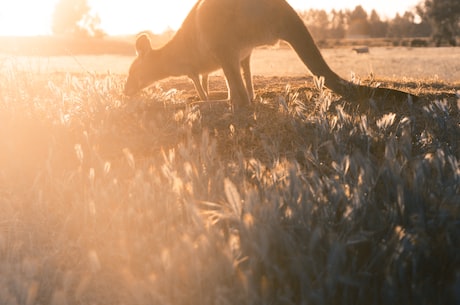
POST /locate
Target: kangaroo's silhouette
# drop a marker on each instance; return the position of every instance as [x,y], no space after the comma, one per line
[222,34]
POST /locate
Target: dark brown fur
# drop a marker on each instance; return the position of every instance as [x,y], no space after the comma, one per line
[222,34]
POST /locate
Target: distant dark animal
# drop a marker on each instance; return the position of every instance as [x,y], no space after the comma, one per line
[361,50]
[418,43]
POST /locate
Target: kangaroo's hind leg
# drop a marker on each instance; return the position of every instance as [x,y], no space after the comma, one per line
[205,83]
[246,67]
[238,94]
[199,87]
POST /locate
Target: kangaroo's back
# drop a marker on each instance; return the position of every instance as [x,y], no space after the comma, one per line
[245,24]
[242,23]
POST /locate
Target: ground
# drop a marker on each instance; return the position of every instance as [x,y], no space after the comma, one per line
[303,197]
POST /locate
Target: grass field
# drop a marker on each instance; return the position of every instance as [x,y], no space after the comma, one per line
[401,63]
[304,198]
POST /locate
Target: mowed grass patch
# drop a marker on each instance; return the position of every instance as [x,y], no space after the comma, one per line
[303,198]
[408,64]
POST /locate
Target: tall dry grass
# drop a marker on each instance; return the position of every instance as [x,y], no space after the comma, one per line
[303,199]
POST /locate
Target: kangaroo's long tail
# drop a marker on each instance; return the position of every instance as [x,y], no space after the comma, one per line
[297,35]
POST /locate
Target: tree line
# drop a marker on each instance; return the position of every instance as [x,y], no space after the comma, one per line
[438,19]
[358,23]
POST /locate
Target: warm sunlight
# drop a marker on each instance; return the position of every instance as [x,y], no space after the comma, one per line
[26,17]
[131,17]
[30,17]
[205,167]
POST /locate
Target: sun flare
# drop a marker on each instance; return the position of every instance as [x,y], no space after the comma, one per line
[30,17]
[15,20]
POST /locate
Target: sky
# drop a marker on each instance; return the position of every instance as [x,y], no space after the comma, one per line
[119,17]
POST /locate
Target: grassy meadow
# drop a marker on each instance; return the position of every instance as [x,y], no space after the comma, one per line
[407,64]
[304,198]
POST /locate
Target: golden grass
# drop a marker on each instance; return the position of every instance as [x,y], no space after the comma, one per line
[303,198]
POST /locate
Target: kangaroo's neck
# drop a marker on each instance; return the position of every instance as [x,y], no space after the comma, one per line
[171,58]
[177,56]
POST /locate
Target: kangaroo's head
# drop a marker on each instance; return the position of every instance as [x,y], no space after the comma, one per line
[143,69]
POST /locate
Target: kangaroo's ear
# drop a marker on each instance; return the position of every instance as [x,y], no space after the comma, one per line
[143,45]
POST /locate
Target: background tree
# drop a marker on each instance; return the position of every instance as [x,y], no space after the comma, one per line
[338,25]
[323,25]
[444,16]
[73,17]
[358,24]
[317,22]
[402,26]
[377,27]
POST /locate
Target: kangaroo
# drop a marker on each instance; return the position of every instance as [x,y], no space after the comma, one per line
[222,34]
